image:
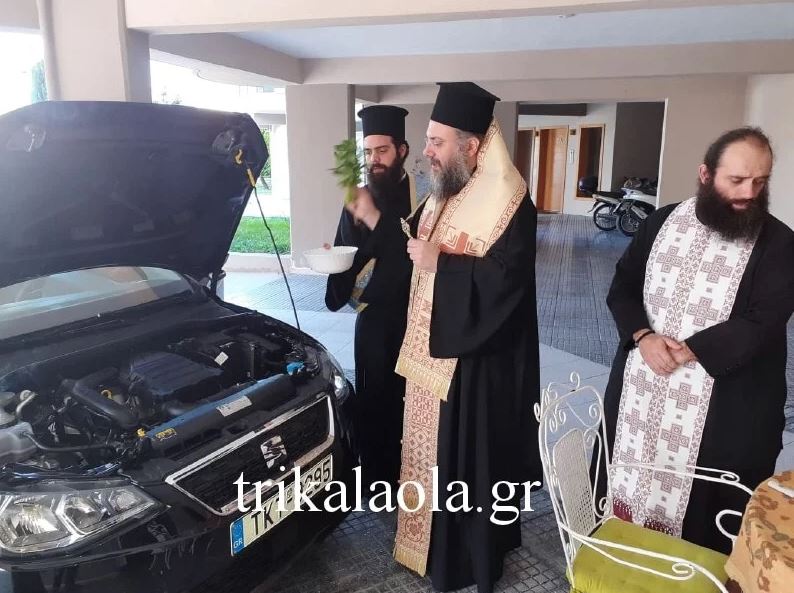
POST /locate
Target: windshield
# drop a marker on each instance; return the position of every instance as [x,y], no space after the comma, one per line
[51,301]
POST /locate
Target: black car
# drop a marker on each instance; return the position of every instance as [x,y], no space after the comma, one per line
[132,397]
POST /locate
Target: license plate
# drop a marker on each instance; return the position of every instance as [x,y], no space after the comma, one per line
[250,527]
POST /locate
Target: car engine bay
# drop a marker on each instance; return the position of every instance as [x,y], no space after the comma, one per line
[160,399]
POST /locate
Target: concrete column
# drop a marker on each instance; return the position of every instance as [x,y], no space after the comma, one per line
[90,54]
[415,133]
[318,118]
[279,165]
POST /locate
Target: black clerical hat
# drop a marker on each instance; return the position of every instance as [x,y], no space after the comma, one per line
[465,106]
[383,120]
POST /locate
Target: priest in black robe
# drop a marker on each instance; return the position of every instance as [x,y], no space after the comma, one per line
[376,286]
[470,353]
[742,355]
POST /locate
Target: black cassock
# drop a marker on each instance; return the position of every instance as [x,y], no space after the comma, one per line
[484,314]
[746,355]
[380,327]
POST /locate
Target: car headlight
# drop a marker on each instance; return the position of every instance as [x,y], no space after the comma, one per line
[38,522]
[336,376]
[340,385]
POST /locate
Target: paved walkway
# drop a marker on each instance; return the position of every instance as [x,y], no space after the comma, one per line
[574,268]
[575,263]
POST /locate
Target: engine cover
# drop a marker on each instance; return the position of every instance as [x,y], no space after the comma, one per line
[159,377]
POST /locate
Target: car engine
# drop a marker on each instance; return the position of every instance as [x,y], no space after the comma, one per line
[157,401]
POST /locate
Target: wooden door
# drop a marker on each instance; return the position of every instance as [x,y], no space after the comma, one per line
[552,166]
[525,154]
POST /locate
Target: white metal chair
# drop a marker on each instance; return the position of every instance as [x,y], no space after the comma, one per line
[571,419]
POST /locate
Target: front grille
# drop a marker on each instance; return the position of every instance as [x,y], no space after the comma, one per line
[213,483]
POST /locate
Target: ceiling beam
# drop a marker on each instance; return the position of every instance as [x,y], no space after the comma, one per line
[19,15]
[576,91]
[270,119]
[230,51]
[762,57]
[367,94]
[199,16]
[574,109]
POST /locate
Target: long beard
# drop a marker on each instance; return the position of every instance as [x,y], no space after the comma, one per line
[715,211]
[385,181]
[451,179]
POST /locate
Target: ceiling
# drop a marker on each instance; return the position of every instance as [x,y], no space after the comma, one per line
[746,22]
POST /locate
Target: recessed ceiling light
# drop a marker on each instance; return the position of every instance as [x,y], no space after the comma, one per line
[566,16]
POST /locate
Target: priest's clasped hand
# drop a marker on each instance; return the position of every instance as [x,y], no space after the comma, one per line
[424,254]
[663,354]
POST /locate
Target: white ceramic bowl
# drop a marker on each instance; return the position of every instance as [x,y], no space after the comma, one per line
[330,261]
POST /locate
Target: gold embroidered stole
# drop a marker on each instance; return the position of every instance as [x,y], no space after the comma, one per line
[468,223]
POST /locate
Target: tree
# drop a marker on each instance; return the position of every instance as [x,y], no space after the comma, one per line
[266,171]
[166,99]
[38,91]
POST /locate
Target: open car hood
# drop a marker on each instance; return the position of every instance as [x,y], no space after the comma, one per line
[89,184]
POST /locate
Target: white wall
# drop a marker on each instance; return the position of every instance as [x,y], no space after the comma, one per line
[597,113]
[770,105]
[694,118]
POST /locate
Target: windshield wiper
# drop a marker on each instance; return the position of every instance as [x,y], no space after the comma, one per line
[113,320]
[70,330]
[100,325]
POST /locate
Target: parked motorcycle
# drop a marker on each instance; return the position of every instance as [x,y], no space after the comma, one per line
[640,200]
[624,209]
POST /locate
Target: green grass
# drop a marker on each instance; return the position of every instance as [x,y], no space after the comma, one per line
[252,236]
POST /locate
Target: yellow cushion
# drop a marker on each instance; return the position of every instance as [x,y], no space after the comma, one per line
[596,573]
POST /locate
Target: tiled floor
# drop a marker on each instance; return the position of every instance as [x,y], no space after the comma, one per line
[574,268]
[575,264]
[357,558]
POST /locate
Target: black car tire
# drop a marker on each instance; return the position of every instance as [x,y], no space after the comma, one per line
[603,220]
